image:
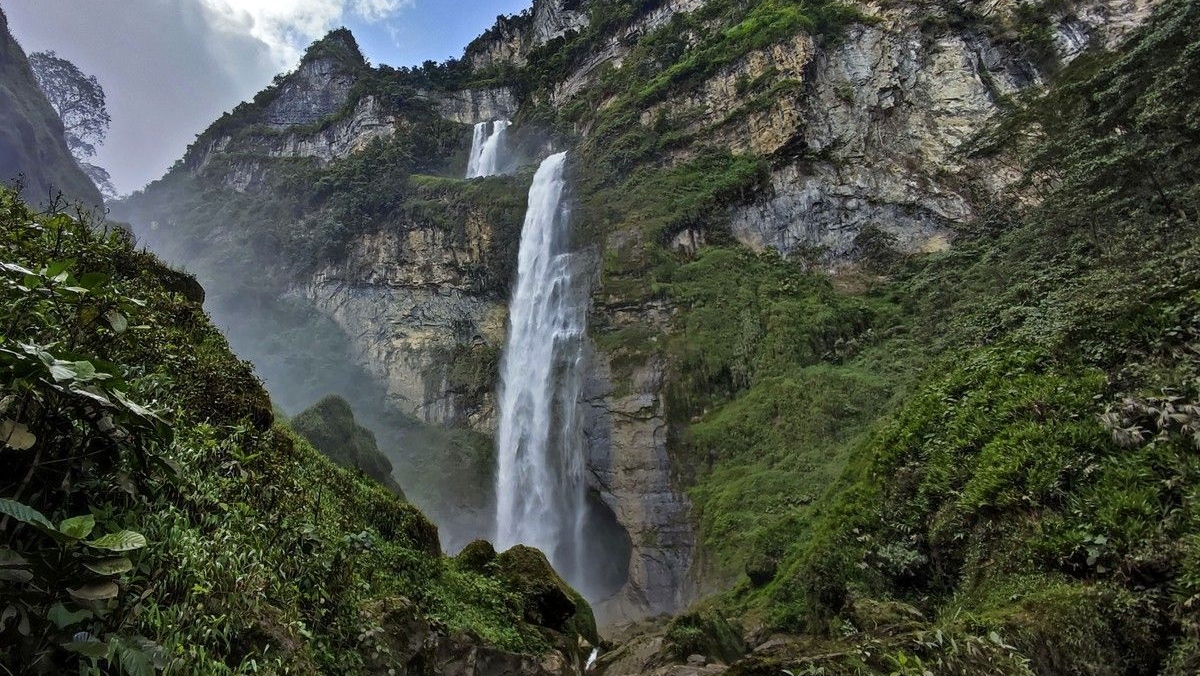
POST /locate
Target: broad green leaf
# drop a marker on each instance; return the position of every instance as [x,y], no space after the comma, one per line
[16,435]
[63,618]
[121,541]
[134,661]
[111,566]
[93,393]
[58,269]
[13,267]
[134,407]
[18,575]
[93,649]
[97,591]
[61,370]
[117,321]
[91,280]
[10,558]
[84,370]
[78,527]
[24,513]
[12,567]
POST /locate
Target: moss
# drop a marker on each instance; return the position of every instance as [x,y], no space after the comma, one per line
[478,556]
[329,425]
[547,600]
[704,632]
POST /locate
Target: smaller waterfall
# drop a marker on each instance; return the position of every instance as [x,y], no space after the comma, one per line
[487,148]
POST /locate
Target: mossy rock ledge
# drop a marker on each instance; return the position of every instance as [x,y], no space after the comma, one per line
[548,601]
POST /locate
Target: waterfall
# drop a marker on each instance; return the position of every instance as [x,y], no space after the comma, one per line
[540,486]
[487,146]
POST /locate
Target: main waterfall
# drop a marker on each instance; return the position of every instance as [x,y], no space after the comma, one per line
[540,486]
[487,148]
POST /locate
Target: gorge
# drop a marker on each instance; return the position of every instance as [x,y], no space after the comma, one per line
[713,336]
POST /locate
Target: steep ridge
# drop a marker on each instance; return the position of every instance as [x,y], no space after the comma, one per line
[732,151]
[33,145]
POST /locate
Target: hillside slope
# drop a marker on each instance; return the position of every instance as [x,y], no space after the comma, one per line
[155,517]
[33,146]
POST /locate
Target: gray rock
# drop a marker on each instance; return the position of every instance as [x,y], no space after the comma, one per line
[470,106]
[404,298]
[626,442]
[318,89]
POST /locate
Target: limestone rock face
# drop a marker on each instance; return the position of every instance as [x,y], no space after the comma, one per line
[318,89]
[471,106]
[511,40]
[554,18]
[617,46]
[890,114]
[347,135]
[625,431]
[405,299]
[888,111]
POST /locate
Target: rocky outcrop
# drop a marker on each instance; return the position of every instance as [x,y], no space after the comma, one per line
[511,40]
[555,18]
[471,106]
[873,138]
[615,47]
[319,88]
[350,133]
[625,431]
[406,644]
[404,297]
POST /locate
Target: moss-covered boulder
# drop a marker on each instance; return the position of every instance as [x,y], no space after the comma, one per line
[704,632]
[479,556]
[330,426]
[548,601]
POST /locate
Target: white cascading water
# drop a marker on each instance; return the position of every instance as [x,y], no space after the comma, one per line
[540,486]
[487,148]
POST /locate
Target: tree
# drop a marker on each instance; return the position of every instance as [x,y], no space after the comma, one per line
[79,100]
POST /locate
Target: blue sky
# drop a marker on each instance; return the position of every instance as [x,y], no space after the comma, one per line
[429,30]
[171,67]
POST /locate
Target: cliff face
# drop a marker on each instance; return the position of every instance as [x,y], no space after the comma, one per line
[406,302]
[33,145]
[848,129]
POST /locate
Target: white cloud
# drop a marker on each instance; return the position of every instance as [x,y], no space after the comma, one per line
[287,26]
[171,67]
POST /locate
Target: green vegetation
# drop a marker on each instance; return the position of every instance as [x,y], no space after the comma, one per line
[978,461]
[1015,416]
[155,518]
[330,427]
